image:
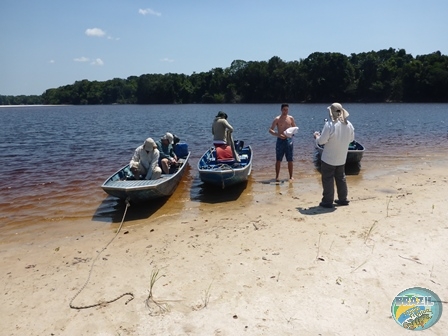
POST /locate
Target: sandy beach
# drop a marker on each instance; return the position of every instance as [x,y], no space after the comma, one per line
[273,264]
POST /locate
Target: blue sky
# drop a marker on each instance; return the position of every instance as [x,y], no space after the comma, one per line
[49,43]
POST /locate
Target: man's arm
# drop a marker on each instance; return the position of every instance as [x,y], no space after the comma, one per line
[273,127]
[228,126]
[155,159]
[135,157]
[172,154]
[325,136]
[293,122]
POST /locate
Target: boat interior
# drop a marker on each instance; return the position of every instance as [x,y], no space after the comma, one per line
[126,175]
[210,161]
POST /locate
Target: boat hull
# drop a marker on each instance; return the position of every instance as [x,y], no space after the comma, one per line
[140,191]
[224,175]
[354,154]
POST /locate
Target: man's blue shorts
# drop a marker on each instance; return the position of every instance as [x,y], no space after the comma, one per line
[284,147]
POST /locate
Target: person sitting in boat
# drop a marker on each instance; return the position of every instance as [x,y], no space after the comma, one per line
[176,140]
[144,162]
[223,139]
[167,157]
[337,133]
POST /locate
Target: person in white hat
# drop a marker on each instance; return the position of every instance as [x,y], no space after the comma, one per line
[336,135]
[167,156]
[145,161]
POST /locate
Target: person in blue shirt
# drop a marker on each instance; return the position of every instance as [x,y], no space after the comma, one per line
[167,156]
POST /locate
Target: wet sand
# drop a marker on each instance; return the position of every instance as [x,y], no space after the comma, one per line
[262,260]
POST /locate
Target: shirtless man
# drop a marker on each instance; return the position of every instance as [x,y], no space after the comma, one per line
[284,145]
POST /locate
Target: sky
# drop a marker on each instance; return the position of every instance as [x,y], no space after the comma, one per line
[47,43]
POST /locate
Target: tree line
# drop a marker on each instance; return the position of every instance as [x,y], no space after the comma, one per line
[377,76]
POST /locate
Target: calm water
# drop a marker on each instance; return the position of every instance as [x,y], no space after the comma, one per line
[54,159]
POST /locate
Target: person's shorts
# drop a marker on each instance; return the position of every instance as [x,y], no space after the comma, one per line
[224,153]
[284,147]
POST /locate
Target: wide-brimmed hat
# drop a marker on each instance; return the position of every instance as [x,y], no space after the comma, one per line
[149,144]
[337,112]
[168,136]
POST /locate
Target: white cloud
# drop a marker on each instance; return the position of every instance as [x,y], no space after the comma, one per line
[149,11]
[81,59]
[98,61]
[51,61]
[167,60]
[95,32]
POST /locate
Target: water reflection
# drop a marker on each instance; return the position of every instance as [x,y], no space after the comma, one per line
[113,210]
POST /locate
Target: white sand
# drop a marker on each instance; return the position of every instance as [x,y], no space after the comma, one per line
[274,265]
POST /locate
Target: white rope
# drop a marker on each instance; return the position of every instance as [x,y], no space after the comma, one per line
[223,167]
[91,268]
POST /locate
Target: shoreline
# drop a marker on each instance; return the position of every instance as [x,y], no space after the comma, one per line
[34,105]
[269,261]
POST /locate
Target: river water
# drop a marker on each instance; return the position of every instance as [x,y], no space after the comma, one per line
[55,158]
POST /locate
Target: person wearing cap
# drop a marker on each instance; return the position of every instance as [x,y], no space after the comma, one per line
[284,146]
[223,138]
[336,135]
[167,156]
[145,161]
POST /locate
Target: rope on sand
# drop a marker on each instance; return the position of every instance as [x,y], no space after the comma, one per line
[90,273]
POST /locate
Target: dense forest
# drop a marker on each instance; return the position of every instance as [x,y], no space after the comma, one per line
[383,76]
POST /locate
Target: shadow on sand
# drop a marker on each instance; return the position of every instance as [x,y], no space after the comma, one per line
[315,210]
[273,181]
[113,209]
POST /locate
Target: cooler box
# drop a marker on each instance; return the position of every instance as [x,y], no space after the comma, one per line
[181,150]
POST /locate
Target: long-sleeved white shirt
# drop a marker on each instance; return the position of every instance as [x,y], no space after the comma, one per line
[149,161]
[336,137]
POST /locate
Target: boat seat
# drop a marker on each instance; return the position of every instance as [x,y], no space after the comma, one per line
[214,160]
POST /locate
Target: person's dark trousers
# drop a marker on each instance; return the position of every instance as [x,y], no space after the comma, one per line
[330,175]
